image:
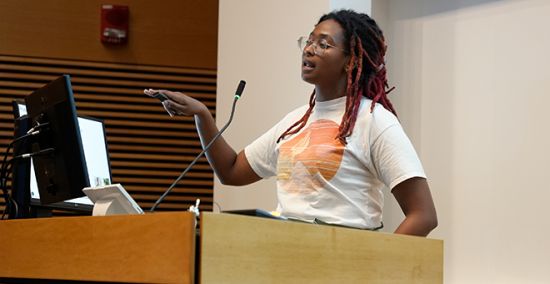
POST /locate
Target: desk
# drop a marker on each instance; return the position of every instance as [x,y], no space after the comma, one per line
[152,248]
[160,248]
[241,249]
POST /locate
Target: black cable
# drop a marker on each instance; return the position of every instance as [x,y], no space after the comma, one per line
[3,181]
[4,170]
[37,126]
[16,140]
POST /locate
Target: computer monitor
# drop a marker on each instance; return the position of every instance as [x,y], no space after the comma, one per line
[94,143]
[58,155]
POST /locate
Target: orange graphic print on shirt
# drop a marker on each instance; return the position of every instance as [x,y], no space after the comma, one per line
[310,158]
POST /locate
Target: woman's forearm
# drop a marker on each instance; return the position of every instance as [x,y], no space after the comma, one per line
[220,155]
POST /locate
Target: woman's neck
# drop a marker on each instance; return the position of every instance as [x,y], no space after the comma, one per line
[331,91]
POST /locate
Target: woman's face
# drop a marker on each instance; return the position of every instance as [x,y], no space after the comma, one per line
[325,69]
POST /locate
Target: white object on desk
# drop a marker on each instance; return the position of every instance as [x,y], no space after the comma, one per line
[112,199]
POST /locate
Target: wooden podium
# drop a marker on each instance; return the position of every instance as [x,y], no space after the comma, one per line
[151,248]
[160,248]
[240,249]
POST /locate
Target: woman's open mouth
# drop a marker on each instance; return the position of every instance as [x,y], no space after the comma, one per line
[307,66]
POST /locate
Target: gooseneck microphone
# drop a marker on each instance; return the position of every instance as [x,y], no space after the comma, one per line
[238,94]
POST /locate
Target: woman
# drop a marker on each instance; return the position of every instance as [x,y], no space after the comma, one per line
[334,156]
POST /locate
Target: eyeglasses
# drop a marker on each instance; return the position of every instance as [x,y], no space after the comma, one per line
[319,46]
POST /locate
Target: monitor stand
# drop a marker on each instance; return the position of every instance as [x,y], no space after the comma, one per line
[40,212]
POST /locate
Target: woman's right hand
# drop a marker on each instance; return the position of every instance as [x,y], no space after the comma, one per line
[230,167]
[179,103]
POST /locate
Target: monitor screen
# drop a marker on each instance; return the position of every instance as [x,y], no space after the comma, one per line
[92,132]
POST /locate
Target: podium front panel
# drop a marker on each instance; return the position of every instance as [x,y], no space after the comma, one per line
[151,248]
[242,249]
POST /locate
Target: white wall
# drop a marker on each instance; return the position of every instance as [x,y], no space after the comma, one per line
[473,79]
[257,42]
[363,6]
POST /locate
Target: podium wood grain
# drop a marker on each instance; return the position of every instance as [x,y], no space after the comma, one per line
[151,248]
[240,249]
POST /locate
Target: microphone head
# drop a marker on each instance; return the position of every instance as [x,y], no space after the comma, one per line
[240,88]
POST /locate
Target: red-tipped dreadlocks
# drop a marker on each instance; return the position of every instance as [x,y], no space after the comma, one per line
[302,122]
[366,71]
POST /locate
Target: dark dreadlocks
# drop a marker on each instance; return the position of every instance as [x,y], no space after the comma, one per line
[366,71]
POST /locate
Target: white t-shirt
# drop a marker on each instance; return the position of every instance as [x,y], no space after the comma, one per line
[318,178]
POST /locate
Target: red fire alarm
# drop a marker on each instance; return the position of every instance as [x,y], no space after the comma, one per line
[114,24]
